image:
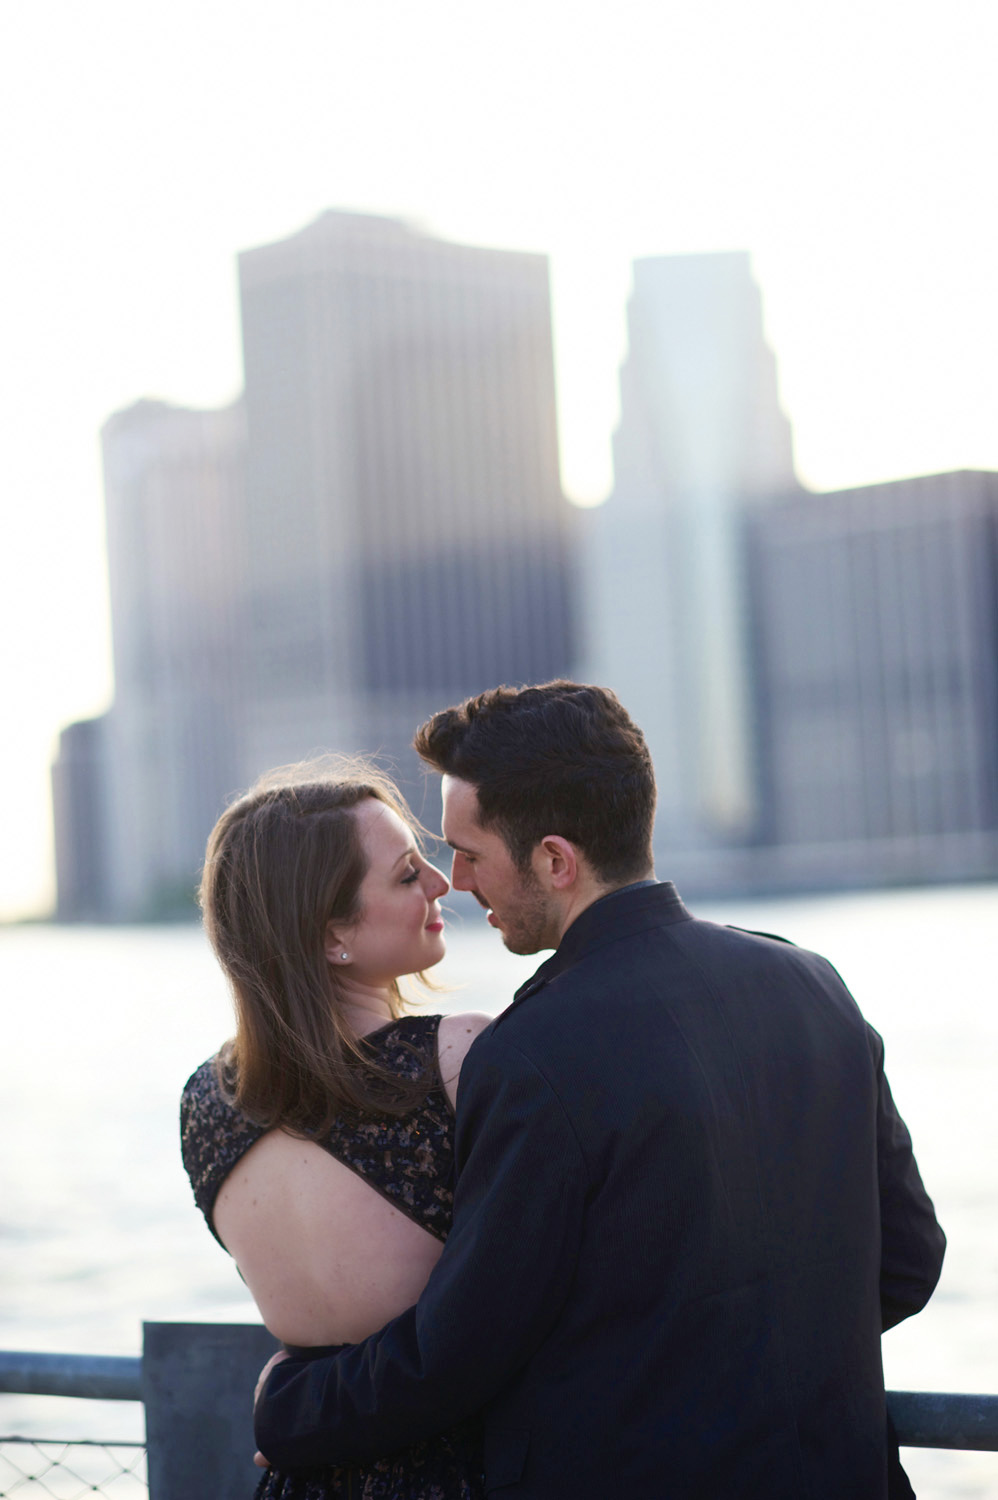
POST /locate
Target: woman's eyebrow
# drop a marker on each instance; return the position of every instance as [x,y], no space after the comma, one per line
[405,855]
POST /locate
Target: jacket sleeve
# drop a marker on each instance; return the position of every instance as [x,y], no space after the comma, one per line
[493,1296]
[912,1243]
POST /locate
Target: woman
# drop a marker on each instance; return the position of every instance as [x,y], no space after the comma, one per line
[319,1142]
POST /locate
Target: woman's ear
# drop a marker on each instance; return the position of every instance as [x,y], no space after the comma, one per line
[337,951]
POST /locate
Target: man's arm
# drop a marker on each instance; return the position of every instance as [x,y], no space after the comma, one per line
[493,1296]
[912,1243]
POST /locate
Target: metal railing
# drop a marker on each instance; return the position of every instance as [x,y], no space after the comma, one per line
[923,1419]
[194,1382]
[97,1377]
[938,1419]
[36,1468]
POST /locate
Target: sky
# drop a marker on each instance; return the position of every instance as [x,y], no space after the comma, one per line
[849,148]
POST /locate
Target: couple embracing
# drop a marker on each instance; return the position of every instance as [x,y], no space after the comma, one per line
[638,1236]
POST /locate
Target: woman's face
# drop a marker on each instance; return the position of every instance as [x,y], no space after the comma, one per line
[400,929]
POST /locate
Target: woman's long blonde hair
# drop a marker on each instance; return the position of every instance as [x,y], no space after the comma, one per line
[283,862]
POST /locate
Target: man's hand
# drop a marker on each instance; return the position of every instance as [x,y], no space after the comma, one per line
[275,1359]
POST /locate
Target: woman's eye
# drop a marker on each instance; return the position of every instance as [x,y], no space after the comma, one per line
[408,879]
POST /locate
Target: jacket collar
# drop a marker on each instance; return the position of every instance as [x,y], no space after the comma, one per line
[619,914]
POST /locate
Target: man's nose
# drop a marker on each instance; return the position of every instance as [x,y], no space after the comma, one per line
[460,873]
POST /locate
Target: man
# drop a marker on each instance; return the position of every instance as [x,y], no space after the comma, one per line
[686,1206]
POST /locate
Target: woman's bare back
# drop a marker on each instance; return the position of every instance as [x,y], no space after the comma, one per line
[333,1240]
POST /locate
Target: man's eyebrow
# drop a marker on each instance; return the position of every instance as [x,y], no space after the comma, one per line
[459,848]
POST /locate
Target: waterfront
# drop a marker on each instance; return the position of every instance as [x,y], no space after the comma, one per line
[103,1026]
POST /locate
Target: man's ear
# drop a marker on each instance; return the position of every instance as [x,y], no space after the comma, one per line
[556,863]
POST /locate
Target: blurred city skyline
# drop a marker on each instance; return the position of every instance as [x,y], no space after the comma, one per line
[850,152]
[377,527]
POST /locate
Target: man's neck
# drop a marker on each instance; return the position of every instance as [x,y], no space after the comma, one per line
[592,892]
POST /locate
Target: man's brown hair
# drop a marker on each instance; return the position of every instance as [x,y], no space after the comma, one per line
[561,757]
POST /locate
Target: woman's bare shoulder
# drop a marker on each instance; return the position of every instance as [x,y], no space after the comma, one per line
[454,1040]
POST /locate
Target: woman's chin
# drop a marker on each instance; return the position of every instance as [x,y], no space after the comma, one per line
[438,950]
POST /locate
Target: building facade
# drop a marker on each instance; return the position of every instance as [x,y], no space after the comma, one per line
[79,820]
[409,540]
[166,755]
[876,667]
[702,439]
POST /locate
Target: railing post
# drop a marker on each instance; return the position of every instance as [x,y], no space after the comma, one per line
[197,1384]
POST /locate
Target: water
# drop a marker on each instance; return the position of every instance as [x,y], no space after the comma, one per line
[98,1229]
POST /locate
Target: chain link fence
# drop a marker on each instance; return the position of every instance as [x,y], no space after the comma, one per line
[68,1469]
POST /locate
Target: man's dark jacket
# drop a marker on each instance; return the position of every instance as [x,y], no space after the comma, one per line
[686,1208]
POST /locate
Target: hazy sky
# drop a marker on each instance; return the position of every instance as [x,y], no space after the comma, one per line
[851,148]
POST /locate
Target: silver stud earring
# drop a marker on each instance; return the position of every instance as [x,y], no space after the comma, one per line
[344,956]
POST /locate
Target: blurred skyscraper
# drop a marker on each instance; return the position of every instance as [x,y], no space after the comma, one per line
[877,682]
[409,540]
[376,531]
[168,748]
[79,821]
[701,440]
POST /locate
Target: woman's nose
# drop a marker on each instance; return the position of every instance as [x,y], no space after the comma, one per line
[439,884]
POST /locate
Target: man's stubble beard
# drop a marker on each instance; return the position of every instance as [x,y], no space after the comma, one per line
[532,926]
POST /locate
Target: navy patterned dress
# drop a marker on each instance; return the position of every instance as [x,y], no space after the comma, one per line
[407,1158]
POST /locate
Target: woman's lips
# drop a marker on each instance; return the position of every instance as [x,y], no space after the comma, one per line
[437,926]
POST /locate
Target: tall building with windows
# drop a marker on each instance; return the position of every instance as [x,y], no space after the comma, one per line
[409,542]
[702,440]
[877,681]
